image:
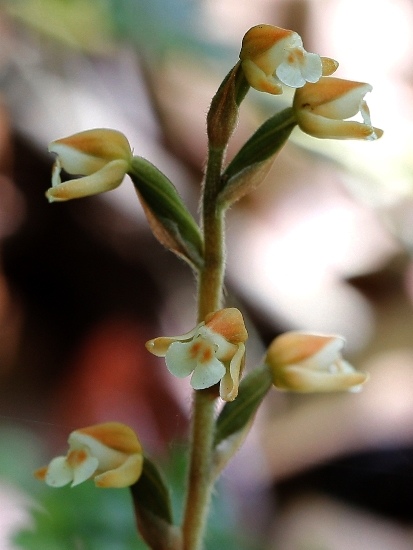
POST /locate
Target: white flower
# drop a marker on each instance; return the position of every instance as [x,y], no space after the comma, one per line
[321,110]
[102,156]
[110,453]
[272,56]
[307,363]
[213,352]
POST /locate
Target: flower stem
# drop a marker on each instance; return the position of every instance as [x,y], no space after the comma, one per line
[199,482]
[212,276]
[210,285]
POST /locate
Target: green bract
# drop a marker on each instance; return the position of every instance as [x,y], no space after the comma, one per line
[248,168]
[170,220]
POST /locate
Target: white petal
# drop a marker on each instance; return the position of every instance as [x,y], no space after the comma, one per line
[290,75]
[323,359]
[76,162]
[295,41]
[59,473]
[346,105]
[84,470]
[365,112]
[207,374]
[57,168]
[312,68]
[345,367]
[178,359]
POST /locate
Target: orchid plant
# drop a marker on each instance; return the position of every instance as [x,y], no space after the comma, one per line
[213,351]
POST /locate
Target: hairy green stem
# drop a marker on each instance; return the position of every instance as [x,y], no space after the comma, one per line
[212,276]
[210,285]
[199,482]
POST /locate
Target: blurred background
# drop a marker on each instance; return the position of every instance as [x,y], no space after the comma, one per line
[324,245]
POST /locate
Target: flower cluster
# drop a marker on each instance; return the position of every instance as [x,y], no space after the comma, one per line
[213,352]
[271,56]
[110,453]
[305,363]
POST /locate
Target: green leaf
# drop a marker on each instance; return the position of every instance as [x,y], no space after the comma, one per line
[238,414]
[168,217]
[251,164]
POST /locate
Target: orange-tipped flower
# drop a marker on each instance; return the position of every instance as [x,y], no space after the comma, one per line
[306,363]
[213,352]
[102,156]
[272,56]
[322,110]
[110,453]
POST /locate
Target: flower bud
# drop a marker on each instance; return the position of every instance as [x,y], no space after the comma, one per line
[306,363]
[110,453]
[102,156]
[321,109]
[272,56]
[213,352]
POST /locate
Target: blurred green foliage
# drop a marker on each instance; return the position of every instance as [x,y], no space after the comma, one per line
[83,518]
[95,26]
[88,518]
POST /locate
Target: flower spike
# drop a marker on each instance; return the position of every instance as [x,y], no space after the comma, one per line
[102,156]
[213,352]
[306,363]
[110,453]
[272,56]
